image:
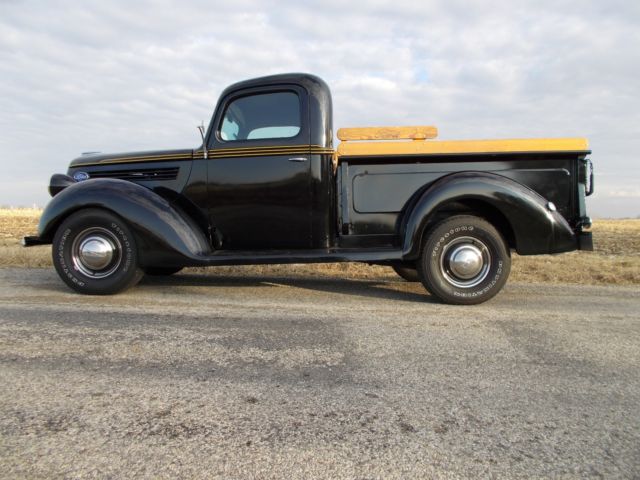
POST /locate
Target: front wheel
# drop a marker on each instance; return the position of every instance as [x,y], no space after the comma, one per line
[464,260]
[95,253]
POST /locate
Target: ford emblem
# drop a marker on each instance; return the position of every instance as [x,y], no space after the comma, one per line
[80,176]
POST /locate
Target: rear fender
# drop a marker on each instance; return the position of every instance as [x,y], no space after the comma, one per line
[536,227]
[165,234]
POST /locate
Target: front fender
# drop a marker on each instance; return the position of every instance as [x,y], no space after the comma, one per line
[536,228]
[164,233]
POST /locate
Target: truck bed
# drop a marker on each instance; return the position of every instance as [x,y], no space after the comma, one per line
[377,179]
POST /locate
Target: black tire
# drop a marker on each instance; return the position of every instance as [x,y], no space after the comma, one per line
[464,261]
[161,271]
[94,252]
[409,273]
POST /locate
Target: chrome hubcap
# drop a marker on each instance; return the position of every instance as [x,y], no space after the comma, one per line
[96,252]
[465,262]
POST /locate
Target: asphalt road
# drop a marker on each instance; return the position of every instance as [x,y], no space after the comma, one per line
[237,377]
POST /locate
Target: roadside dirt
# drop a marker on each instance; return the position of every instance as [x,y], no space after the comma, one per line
[291,376]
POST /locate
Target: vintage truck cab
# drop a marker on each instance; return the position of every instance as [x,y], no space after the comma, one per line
[267,186]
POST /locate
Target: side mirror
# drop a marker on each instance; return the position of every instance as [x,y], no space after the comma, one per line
[204,147]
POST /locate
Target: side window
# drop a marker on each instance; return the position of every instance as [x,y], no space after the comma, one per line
[260,116]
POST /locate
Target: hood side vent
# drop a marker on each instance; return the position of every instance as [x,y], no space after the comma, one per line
[137,175]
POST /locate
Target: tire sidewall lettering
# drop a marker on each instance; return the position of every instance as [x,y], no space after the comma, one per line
[67,267]
[126,245]
[453,231]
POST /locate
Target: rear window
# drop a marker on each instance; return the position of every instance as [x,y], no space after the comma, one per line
[261,116]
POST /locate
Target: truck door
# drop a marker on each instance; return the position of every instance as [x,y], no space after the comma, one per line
[259,191]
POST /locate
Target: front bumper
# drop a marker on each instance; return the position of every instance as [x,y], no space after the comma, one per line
[32,241]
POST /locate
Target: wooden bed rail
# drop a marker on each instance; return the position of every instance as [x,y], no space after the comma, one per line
[387,133]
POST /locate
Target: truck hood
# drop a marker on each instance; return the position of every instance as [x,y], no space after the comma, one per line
[96,159]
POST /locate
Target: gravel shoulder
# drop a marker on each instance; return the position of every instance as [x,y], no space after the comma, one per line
[235,376]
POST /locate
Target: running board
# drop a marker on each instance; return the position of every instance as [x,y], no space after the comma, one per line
[230,257]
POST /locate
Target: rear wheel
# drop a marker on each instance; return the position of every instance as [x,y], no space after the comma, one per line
[406,271]
[95,253]
[464,260]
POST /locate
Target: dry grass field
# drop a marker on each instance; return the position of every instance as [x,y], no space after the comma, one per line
[616,259]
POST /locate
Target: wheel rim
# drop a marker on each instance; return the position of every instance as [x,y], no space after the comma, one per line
[465,262]
[96,252]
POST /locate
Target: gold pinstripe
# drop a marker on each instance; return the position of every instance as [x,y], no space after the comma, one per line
[142,158]
[219,153]
[265,151]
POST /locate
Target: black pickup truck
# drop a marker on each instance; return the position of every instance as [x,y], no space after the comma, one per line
[267,186]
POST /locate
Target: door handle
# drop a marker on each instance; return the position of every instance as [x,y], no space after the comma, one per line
[298,159]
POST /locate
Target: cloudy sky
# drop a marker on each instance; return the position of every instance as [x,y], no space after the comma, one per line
[124,75]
